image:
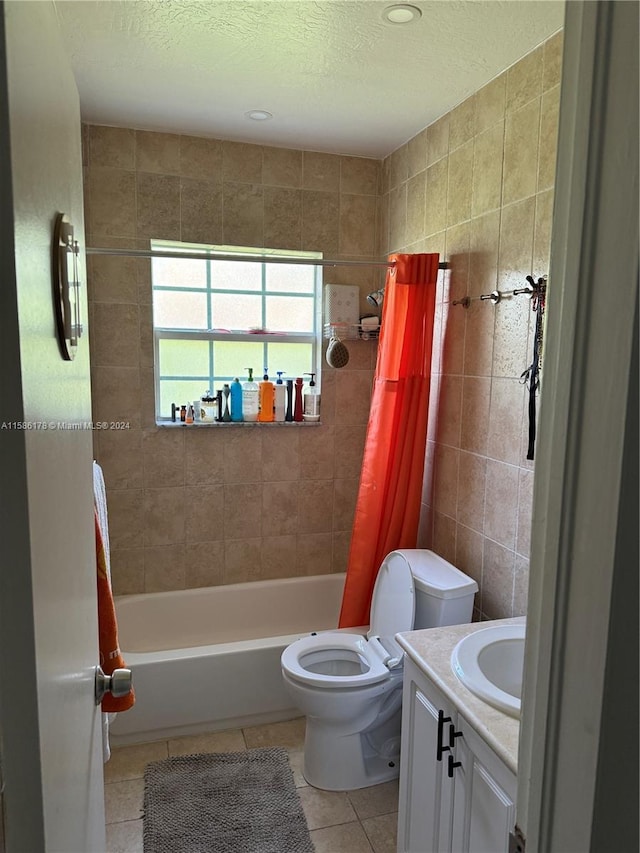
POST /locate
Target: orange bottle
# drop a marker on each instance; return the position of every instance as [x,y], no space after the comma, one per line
[267,395]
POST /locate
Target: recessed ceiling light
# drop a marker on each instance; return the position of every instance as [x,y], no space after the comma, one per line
[401,13]
[259,115]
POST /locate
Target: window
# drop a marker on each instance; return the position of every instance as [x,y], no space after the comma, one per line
[213,318]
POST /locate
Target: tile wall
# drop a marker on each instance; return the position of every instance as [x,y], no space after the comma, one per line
[477,187]
[204,506]
[208,506]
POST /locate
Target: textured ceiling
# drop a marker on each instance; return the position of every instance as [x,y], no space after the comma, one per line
[336,77]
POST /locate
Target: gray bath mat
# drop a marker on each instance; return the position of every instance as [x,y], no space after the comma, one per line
[236,802]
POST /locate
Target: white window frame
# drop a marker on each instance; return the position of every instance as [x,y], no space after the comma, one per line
[262,256]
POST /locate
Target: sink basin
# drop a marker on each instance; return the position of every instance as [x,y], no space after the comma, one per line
[489,663]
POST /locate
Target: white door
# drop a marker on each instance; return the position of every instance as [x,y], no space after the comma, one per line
[50,726]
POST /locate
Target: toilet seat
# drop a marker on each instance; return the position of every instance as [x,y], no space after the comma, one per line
[340,655]
[335,659]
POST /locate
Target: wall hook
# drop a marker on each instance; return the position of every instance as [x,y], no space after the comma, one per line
[495,296]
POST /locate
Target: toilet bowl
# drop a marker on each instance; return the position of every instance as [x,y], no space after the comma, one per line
[349,685]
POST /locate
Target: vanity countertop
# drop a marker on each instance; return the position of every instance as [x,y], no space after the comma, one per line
[430,649]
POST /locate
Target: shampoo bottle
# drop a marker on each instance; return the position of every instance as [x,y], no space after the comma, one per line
[311,408]
[236,400]
[250,393]
[266,399]
[280,403]
[289,414]
[297,406]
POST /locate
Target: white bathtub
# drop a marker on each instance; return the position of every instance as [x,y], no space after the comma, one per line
[209,659]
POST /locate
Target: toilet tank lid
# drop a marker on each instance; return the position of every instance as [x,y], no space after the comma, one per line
[435,576]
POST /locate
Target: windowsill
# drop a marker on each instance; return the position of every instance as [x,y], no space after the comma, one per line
[217,424]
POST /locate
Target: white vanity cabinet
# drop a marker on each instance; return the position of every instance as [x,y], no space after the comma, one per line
[456,795]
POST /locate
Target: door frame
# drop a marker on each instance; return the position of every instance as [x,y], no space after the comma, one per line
[583,507]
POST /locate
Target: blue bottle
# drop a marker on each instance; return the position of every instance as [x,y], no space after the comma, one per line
[236,400]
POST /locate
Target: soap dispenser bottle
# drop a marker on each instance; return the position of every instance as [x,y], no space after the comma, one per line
[250,393]
[311,407]
[236,401]
[266,399]
[280,399]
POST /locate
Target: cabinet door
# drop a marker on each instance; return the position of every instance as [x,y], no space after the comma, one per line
[425,807]
[484,796]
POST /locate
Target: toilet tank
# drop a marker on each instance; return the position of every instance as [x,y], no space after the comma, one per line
[443,594]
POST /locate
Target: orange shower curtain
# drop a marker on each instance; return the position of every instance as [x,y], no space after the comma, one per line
[388,506]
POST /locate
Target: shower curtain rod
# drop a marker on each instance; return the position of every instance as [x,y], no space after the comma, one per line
[199,256]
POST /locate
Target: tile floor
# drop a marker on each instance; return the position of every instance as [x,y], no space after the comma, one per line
[362,821]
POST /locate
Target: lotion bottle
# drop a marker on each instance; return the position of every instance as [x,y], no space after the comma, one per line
[280,404]
[311,408]
[266,399]
[250,392]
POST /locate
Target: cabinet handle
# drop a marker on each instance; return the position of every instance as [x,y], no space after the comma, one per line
[452,766]
[441,748]
[453,734]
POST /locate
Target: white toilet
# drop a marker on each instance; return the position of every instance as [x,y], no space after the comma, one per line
[349,686]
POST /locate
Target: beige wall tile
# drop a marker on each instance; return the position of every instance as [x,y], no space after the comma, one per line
[490,103]
[450,411]
[469,548]
[548,138]
[126,518]
[115,335]
[520,586]
[453,328]
[200,211]
[281,455]
[475,414]
[145,321]
[353,396]
[314,553]
[552,61]
[279,508]
[456,278]
[120,456]
[316,449]
[127,570]
[525,506]
[524,80]
[505,420]
[340,553]
[241,162]
[484,241]
[242,214]
[510,348]
[460,184]
[203,513]
[416,199]
[487,170]
[417,153]
[111,146]
[112,202]
[158,206]
[278,557]
[315,507]
[321,221]
[542,233]
[478,339]
[163,516]
[497,580]
[471,491]
[516,244]
[157,152]
[345,494]
[357,218]
[444,536]
[438,139]
[119,398]
[359,175]
[501,503]
[348,449]
[282,218]
[163,454]
[242,511]
[446,480]
[242,560]
[397,218]
[164,568]
[399,166]
[243,455]
[521,152]
[112,278]
[204,564]
[462,123]
[320,171]
[201,158]
[282,167]
[436,197]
